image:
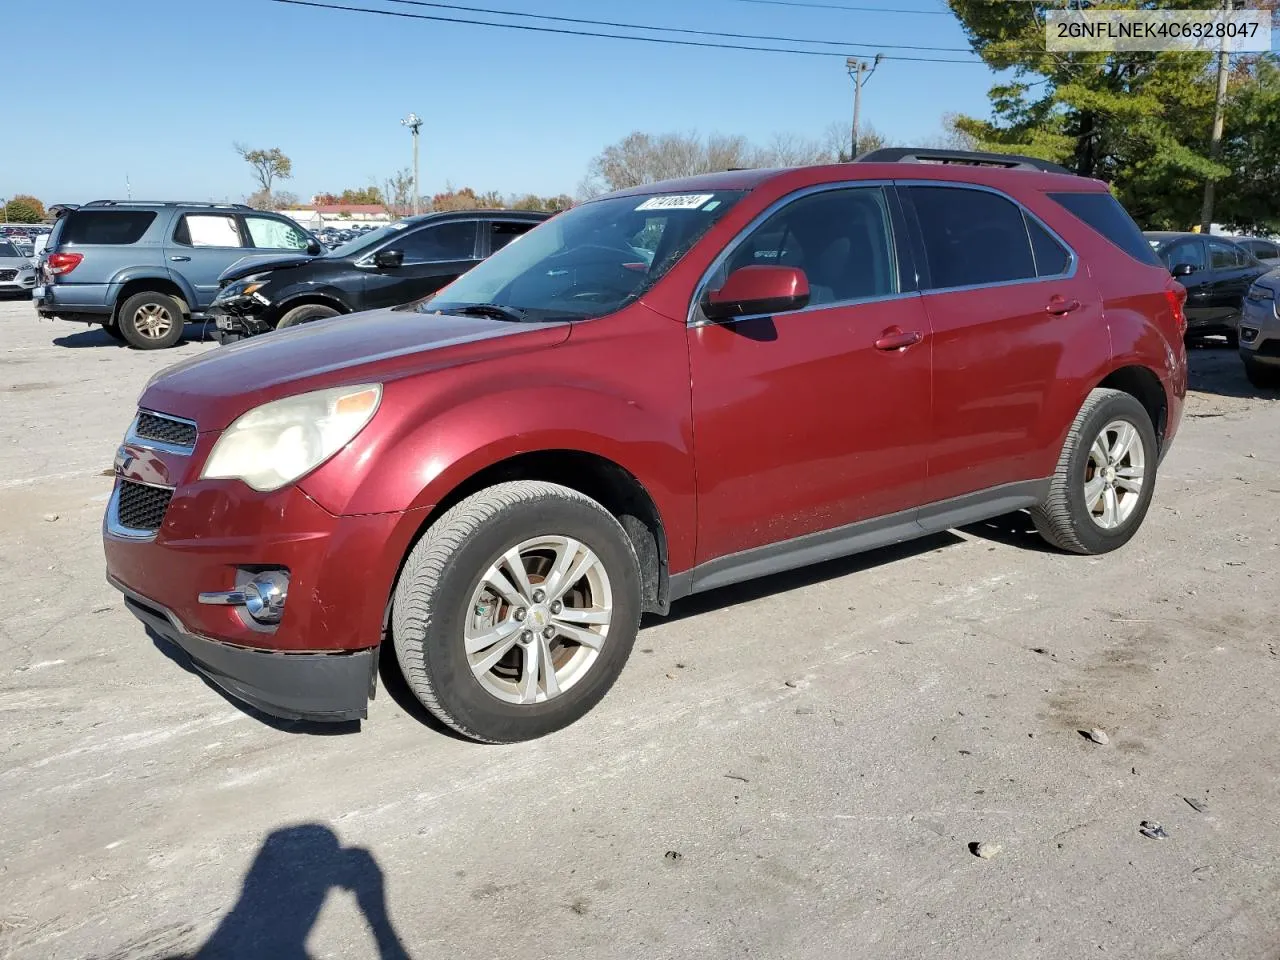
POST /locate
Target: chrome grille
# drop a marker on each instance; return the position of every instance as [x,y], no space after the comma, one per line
[8,274]
[142,507]
[156,426]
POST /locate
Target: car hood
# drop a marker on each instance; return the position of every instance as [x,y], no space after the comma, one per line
[1271,279]
[376,347]
[15,263]
[261,262]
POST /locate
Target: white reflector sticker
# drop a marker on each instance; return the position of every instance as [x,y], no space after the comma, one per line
[676,201]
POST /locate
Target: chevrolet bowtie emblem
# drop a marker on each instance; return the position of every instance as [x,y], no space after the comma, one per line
[124,459]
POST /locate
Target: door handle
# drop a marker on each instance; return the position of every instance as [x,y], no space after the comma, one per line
[895,339]
[180,259]
[1059,307]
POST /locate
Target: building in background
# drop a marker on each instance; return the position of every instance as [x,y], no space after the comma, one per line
[340,215]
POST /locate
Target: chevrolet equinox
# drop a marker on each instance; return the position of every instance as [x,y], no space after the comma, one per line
[659,392]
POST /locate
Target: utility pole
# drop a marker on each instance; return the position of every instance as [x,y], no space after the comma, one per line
[1215,139]
[414,123]
[856,70]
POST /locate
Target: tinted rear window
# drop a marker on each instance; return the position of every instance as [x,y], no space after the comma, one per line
[1103,212]
[972,237]
[106,226]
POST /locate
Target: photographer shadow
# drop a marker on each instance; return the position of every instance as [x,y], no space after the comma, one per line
[284,891]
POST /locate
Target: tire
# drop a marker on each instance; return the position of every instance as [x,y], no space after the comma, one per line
[1233,339]
[1064,518]
[113,330]
[441,598]
[305,314]
[1261,376]
[150,321]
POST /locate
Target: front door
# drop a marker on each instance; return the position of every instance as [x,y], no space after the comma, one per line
[1233,273]
[1009,312]
[1199,283]
[813,419]
[201,247]
[434,255]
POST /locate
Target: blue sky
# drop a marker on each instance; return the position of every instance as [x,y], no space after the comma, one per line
[159,90]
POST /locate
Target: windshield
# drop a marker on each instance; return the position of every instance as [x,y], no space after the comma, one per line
[589,261]
[366,241]
[7,249]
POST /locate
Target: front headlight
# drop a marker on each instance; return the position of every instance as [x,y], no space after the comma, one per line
[243,288]
[276,443]
[1257,292]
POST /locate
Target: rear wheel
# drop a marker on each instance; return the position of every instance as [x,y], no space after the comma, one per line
[305,314]
[113,330]
[151,321]
[1260,375]
[516,611]
[1102,487]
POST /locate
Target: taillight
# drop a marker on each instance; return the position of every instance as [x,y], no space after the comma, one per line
[60,264]
[1177,296]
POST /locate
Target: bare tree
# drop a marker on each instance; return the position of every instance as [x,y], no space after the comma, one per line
[261,200]
[397,193]
[268,165]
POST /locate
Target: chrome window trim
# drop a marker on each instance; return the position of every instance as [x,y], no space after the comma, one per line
[693,320]
[366,261]
[983,188]
[131,435]
[112,521]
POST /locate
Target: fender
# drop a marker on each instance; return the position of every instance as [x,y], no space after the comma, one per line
[130,274]
[1156,345]
[435,432]
[311,292]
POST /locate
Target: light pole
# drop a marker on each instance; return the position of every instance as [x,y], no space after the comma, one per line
[856,70]
[414,123]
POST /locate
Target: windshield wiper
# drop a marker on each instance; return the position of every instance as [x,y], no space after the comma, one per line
[495,310]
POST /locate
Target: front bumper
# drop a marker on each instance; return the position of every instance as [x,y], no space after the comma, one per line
[1260,332]
[238,318]
[330,687]
[22,283]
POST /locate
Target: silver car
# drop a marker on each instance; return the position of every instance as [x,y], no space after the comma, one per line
[1260,331]
[17,272]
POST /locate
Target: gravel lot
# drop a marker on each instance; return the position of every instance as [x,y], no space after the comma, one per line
[794,768]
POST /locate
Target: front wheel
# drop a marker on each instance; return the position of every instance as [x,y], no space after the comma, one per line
[1261,376]
[1102,487]
[516,611]
[306,313]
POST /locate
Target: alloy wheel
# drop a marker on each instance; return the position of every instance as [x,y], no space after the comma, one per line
[1114,474]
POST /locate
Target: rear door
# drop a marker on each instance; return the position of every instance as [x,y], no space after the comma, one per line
[434,255]
[275,233]
[1233,272]
[200,247]
[1004,295]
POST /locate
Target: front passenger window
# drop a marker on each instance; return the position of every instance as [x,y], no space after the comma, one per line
[438,243]
[841,239]
[972,237]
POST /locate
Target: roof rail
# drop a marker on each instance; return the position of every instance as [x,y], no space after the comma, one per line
[1010,161]
[167,203]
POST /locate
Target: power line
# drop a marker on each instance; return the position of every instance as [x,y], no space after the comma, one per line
[841,6]
[843,44]
[589,33]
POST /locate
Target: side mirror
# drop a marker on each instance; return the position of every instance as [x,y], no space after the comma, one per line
[757,290]
[314,248]
[389,259]
[1183,270]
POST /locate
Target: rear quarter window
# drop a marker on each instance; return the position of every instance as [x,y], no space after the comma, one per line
[1103,213]
[109,227]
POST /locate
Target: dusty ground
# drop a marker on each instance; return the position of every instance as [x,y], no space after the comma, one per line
[816,751]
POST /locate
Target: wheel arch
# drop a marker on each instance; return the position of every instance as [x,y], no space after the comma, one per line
[611,485]
[1145,386]
[302,298]
[131,285]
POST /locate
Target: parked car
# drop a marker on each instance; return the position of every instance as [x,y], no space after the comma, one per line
[143,269]
[17,272]
[1264,250]
[496,484]
[1260,331]
[1216,273]
[399,263]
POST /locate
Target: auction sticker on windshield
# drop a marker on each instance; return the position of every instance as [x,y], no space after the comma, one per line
[676,201]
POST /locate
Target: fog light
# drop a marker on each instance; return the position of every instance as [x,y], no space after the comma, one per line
[1248,334]
[264,596]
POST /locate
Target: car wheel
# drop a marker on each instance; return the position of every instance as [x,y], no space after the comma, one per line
[113,330]
[1101,489]
[516,611]
[305,314]
[1233,339]
[1260,375]
[150,321]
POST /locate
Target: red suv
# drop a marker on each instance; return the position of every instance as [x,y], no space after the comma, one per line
[656,393]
